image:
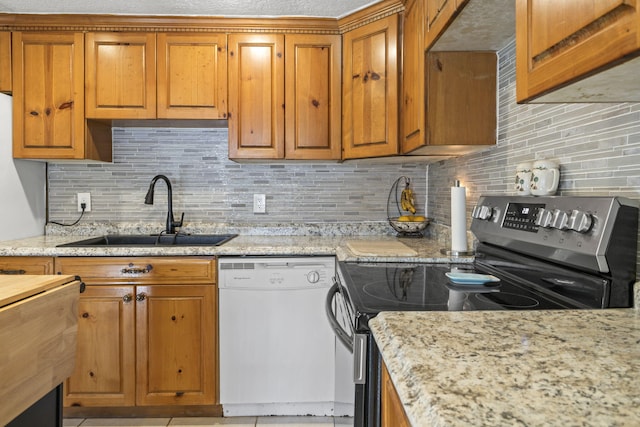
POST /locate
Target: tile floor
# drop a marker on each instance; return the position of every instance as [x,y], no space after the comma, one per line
[211,422]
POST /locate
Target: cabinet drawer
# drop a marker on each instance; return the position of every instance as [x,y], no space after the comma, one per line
[156,270]
[26,265]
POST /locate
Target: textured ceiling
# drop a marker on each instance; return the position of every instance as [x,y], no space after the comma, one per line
[229,8]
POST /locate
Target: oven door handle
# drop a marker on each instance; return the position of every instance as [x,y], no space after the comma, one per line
[342,335]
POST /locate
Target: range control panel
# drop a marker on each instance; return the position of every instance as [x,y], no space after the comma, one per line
[522,216]
[574,229]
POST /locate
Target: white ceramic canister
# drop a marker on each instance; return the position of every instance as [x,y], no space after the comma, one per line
[545,178]
[523,178]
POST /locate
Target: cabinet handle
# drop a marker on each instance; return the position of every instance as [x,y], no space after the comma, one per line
[3,271]
[137,270]
[141,297]
[127,298]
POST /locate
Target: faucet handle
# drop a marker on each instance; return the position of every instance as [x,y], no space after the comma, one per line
[179,223]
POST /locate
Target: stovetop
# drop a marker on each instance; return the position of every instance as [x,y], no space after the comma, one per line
[425,287]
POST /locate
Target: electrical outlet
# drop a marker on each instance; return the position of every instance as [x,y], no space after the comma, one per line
[259,203]
[86,199]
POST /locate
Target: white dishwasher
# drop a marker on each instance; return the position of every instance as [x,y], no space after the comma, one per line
[277,350]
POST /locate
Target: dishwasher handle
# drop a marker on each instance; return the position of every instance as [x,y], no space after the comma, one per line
[342,335]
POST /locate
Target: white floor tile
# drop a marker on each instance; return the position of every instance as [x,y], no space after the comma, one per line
[125,422]
[72,422]
[295,421]
[209,421]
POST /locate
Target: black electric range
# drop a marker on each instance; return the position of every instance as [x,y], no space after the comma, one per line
[546,253]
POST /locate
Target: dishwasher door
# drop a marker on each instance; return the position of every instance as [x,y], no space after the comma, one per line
[277,351]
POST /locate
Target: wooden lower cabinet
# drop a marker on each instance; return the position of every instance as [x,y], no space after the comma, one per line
[174,345]
[392,412]
[144,340]
[26,265]
[104,373]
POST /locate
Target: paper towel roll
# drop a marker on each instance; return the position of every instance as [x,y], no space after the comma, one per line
[458,219]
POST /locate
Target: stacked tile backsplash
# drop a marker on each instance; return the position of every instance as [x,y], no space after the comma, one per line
[209,188]
[597,146]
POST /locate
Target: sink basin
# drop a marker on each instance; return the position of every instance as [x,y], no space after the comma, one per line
[153,240]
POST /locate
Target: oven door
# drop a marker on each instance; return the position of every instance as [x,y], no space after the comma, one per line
[365,358]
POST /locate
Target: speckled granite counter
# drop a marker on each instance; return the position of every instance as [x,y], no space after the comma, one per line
[428,250]
[507,368]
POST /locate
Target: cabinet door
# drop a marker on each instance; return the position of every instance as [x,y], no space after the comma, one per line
[370,84]
[256,96]
[413,91]
[104,372]
[176,354]
[391,412]
[192,76]
[5,61]
[461,101]
[558,42]
[26,265]
[121,75]
[313,96]
[48,103]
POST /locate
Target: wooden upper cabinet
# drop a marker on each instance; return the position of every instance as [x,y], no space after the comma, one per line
[48,100]
[256,96]
[121,75]
[370,90]
[5,62]
[192,76]
[439,14]
[558,42]
[313,96]
[461,102]
[48,106]
[412,108]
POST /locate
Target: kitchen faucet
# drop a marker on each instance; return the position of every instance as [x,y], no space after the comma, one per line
[148,200]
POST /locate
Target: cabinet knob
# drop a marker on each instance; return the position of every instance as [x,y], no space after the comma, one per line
[127,298]
[141,297]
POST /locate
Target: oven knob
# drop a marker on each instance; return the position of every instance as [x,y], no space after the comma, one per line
[580,221]
[544,218]
[560,220]
[482,212]
[313,277]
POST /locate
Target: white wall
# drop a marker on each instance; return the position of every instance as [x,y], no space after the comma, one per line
[22,186]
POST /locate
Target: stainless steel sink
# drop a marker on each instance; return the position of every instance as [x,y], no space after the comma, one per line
[153,240]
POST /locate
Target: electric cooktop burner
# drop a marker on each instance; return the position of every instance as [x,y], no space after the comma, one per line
[509,300]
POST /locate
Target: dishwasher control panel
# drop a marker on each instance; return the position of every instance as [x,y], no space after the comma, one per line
[276,273]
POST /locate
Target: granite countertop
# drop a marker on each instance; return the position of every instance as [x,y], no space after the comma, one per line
[506,368]
[428,250]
